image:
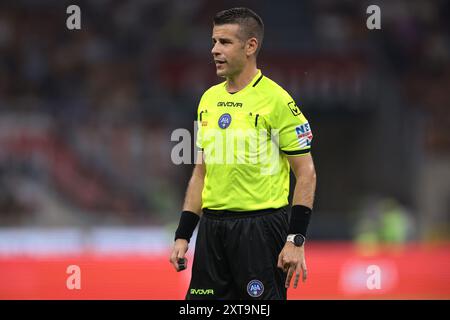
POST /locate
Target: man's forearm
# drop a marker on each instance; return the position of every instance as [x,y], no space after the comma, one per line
[192,207]
[305,189]
[302,203]
[193,198]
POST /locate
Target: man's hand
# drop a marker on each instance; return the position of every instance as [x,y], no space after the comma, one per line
[292,260]
[180,248]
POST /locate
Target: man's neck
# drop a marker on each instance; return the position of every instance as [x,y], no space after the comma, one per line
[240,81]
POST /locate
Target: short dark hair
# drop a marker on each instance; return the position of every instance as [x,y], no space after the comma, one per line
[251,25]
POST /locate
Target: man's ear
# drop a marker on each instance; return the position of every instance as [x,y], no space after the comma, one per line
[251,46]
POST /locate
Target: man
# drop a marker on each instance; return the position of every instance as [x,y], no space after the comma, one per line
[246,248]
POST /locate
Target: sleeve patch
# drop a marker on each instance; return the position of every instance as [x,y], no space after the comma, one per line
[294,109]
[304,135]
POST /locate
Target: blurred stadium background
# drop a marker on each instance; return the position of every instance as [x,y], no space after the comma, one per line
[86,116]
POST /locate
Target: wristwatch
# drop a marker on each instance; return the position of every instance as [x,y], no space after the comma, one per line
[298,239]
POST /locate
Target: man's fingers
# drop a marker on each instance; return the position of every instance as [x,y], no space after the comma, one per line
[305,272]
[280,262]
[182,264]
[173,257]
[180,254]
[289,276]
[180,260]
[173,260]
[177,259]
[284,266]
[297,276]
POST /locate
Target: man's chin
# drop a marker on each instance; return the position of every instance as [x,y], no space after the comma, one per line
[221,73]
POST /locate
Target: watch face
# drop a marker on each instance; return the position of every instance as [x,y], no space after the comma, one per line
[298,240]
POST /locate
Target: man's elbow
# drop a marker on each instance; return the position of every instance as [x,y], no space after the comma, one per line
[312,176]
[304,169]
[308,173]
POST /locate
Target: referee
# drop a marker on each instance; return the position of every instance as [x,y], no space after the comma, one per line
[246,246]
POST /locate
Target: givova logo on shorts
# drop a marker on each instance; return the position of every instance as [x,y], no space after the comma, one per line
[201,291]
[255,288]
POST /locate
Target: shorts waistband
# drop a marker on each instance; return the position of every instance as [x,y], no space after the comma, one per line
[227,214]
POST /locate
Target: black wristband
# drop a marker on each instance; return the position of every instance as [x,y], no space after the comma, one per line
[188,222]
[300,216]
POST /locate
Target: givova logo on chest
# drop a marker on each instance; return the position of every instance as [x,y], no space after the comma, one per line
[229,104]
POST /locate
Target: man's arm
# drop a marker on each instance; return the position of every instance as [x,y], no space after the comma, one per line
[292,258]
[305,173]
[193,198]
[192,206]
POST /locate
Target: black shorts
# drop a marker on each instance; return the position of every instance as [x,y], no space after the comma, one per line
[236,255]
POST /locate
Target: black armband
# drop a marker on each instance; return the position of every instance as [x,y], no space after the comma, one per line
[186,226]
[300,216]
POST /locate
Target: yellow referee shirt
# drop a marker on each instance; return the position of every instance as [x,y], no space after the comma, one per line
[245,138]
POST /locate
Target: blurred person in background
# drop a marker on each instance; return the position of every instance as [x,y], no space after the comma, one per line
[383,221]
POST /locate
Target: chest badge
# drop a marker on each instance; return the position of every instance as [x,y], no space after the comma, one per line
[225,120]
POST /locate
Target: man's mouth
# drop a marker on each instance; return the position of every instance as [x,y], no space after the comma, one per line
[219,62]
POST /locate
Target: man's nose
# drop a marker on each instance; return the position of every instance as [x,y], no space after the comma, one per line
[215,50]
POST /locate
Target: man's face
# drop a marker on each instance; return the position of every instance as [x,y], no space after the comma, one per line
[228,50]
